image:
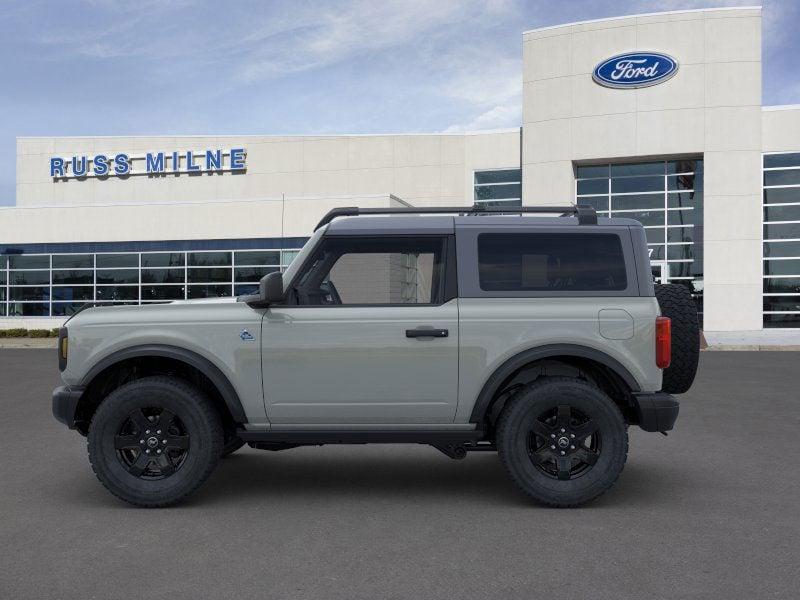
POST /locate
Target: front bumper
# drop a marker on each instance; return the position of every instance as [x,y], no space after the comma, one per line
[656,412]
[65,404]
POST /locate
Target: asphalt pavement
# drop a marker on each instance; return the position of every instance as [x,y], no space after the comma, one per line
[712,511]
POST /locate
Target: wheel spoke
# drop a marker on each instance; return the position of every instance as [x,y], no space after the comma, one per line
[141,421]
[585,430]
[542,455]
[588,456]
[564,415]
[564,467]
[165,464]
[177,441]
[139,465]
[541,429]
[165,420]
[121,442]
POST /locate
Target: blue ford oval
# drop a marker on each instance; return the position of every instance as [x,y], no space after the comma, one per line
[635,70]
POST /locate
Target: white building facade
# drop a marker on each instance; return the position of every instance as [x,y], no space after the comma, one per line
[683,144]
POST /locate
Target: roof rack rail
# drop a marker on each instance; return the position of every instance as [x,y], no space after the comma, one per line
[586,213]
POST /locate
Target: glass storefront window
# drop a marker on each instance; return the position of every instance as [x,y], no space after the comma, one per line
[58,284]
[499,187]
[666,197]
[781,246]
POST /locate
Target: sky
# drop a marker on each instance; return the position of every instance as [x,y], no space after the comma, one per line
[160,67]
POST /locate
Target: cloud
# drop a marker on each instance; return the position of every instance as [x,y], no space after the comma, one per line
[497,117]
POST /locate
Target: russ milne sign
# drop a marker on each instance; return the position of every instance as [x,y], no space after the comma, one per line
[151,163]
[635,70]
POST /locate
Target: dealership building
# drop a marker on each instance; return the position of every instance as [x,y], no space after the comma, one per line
[655,117]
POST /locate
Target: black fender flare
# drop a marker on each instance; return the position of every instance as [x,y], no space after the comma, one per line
[505,370]
[202,364]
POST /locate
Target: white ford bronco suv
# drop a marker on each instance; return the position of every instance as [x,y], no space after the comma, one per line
[470,329]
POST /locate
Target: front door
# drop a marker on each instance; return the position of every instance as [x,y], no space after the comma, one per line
[368,336]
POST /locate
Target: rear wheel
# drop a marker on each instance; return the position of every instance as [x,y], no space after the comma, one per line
[153,441]
[562,440]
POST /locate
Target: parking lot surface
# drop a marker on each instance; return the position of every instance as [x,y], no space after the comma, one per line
[709,512]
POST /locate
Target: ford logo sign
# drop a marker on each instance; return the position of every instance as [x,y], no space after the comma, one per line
[635,70]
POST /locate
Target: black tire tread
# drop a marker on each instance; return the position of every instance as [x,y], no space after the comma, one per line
[676,303]
[204,405]
[521,396]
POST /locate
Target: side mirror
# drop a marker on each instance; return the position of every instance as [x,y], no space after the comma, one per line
[270,288]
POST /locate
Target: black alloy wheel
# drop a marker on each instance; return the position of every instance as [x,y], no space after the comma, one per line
[564,443]
[152,443]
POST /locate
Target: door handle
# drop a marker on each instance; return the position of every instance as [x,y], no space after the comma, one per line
[423,332]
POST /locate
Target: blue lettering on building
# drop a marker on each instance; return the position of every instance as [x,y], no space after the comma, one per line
[635,70]
[150,163]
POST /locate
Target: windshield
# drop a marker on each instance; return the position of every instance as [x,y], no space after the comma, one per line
[291,270]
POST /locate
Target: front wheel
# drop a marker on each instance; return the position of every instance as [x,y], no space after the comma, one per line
[563,441]
[153,441]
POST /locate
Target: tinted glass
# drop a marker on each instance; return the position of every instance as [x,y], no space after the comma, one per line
[684,166]
[789,177]
[683,217]
[782,285]
[782,267]
[208,275]
[2,277]
[599,203]
[162,292]
[209,259]
[621,170]
[163,275]
[73,261]
[680,252]
[244,290]
[782,303]
[787,320]
[637,201]
[680,234]
[498,176]
[782,195]
[782,213]
[781,249]
[637,184]
[209,291]
[782,160]
[29,293]
[374,271]
[2,294]
[118,276]
[30,309]
[260,257]
[117,260]
[73,277]
[593,186]
[655,235]
[21,261]
[73,293]
[29,277]
[782,231]
[550,262]
[64,309]
[163,259]
[253,274]
[288,257]
[587,171]
[129,292]
[684,182]
[497,192]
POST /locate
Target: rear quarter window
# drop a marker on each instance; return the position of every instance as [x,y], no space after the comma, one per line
[551,262]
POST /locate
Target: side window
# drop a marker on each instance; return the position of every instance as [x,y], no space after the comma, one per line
[532,262]
[373,271]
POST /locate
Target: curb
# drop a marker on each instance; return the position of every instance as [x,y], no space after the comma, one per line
[752,348]
[16,343]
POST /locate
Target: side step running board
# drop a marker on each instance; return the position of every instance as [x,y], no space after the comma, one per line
[447,437]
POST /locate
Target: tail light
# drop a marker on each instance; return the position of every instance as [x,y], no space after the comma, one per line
[663,342]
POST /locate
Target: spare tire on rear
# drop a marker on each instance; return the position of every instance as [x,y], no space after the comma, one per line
[676,302]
